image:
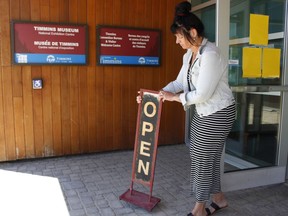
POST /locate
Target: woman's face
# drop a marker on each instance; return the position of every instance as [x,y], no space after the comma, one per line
[182,41]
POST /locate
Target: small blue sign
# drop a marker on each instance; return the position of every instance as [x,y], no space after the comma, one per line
[37,83]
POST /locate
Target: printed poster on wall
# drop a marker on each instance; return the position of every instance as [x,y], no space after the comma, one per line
[128,46]
[48,43]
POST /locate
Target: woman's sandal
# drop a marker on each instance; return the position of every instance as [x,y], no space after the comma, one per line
[214,206]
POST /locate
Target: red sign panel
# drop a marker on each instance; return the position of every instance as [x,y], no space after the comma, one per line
[49,43]
[128,46]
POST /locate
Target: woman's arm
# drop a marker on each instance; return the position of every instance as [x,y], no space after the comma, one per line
[169,96]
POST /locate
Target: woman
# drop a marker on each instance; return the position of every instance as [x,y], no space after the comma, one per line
[203,82]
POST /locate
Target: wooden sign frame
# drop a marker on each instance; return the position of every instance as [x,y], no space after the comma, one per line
[145,150]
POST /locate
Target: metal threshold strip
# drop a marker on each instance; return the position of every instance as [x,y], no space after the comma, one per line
[261,88]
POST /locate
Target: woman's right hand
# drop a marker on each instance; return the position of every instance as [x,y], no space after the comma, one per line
[139,98]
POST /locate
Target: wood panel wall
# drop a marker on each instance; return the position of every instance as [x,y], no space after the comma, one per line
[83,109]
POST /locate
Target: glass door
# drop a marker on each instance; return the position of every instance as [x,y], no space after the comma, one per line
[253,142]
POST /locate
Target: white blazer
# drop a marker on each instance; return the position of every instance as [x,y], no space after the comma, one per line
[210,91]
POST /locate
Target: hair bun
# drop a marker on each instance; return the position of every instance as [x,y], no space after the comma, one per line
[183,8]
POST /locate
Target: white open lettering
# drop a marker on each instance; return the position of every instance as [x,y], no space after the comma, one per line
[146,127]
[153,111]
[149,110]
[143,147]
[142,167]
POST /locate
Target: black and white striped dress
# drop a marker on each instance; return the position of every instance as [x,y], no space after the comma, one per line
[208,136]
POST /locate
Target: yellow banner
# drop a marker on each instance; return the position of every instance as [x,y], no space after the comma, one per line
[259,29]
[271,63]
[251,62]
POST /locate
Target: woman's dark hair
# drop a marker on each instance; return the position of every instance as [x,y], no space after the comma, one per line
[185,20]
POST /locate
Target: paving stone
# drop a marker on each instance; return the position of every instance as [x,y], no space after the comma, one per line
[106,212]
[76,206]
[73,200]
[92,211]
[87,201]
[70,193]
[124,211]
[73,185]
[116,204]
[78,212]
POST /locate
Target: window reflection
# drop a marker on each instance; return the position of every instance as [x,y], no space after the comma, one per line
[253,140]
[198,2]
[240,10]
[210,27]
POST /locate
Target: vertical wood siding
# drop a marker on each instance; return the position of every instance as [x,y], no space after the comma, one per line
[83,109]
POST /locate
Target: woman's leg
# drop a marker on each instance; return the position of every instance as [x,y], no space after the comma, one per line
[218,199]
[218,202]
[201,153]
[208,136]
[199,209]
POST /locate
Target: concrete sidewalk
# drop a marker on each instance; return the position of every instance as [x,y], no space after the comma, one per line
[92,184]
